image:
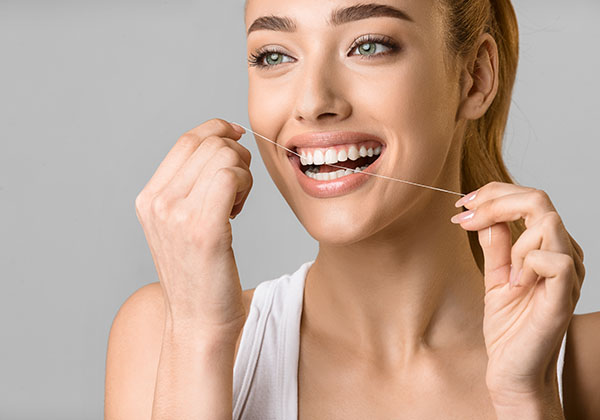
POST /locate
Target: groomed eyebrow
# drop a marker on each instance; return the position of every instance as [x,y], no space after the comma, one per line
[338,17]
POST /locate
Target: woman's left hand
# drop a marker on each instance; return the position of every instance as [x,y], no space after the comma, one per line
[523,324]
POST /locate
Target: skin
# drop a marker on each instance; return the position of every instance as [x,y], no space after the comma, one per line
[396,313]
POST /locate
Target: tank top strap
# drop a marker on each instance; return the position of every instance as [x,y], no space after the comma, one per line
[266,365]
[559,369]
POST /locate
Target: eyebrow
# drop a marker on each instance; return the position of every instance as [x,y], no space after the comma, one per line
[338,17]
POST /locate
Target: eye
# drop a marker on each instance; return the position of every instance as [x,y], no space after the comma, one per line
[371,45]
[268,58]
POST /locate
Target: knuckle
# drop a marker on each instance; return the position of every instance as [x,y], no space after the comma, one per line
[159,207]
[540,198]
[565,263]
[214,142]
[140,201]
[189,139]
[229,155]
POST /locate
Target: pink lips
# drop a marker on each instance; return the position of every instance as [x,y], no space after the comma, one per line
[340,186]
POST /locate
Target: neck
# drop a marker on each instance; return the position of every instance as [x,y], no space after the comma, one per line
[412,287]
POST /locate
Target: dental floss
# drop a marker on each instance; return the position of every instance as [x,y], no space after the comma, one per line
[368,173]
[354,170]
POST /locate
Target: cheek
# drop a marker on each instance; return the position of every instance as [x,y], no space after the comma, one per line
[269,102]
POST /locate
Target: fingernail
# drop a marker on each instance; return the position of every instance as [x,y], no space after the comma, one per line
[238,128]
[466,198]
[514,276]
[461,217]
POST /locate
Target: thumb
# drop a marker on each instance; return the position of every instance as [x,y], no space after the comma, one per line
[496,243]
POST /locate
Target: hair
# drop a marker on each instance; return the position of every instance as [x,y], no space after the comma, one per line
[481,159]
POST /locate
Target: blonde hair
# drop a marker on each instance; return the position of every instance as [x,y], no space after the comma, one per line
[482,160]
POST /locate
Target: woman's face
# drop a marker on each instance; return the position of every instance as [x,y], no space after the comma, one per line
[328,68]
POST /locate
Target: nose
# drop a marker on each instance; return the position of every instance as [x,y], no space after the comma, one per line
[320,94]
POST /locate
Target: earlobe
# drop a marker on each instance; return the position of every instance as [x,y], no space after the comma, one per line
[479,79]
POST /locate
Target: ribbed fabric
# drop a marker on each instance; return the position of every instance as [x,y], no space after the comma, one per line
[265,373]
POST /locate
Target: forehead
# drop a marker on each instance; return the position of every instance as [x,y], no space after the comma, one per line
[306,13]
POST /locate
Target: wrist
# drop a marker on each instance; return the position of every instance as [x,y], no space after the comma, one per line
[224,337]
[542,405]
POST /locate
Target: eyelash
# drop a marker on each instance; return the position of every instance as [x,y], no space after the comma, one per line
[256,58]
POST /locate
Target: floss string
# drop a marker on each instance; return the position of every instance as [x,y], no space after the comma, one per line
[354,170]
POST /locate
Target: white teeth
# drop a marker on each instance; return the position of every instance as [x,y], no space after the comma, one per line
[363,151]
[318,158]
[330,176]
[330,156]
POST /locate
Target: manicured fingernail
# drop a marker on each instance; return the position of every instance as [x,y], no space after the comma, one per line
[461,217]
[238,128]
[466,198]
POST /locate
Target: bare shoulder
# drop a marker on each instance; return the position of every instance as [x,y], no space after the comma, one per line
[581,372]
[133,353]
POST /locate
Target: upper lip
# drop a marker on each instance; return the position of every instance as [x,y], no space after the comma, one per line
[328,139]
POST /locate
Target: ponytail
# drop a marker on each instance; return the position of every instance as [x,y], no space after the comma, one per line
[482,160]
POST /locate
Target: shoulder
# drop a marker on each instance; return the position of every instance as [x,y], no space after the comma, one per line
[581,372]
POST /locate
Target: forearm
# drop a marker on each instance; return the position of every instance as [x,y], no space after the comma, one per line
[195,376]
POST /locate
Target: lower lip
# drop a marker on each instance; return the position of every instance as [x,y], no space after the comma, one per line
[336,187]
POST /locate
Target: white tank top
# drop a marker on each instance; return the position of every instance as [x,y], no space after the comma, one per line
[265,373]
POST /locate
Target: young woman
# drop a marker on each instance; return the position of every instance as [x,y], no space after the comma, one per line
[409,310]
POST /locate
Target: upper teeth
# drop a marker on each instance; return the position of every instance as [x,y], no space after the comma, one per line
[336,154]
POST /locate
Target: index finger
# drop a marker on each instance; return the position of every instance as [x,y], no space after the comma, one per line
[183,149]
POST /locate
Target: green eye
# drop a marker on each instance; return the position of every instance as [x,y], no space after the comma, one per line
[273,58]
[370,48]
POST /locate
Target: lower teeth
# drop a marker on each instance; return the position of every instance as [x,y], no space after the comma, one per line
[330,176]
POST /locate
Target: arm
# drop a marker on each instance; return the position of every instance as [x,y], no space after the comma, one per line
[195,375]
[155,372]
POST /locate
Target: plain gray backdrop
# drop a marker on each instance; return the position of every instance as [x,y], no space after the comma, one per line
[92,97]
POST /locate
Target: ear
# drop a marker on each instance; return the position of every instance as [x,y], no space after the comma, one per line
[479,79]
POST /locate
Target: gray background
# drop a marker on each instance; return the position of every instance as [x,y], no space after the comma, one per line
[92,97]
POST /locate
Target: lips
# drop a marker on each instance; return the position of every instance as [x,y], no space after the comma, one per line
[329,139]
[334,187]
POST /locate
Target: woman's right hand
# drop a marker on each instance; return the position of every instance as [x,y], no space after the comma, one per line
[184,211]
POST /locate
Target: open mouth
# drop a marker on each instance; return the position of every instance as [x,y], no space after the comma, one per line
[337,162]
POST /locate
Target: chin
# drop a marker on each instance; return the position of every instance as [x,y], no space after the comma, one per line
[338,227]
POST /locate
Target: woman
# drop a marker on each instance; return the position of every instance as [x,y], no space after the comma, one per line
[404,313]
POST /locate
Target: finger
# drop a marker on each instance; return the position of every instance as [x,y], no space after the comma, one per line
[558,274]
[214,152]
[547,234]
[529,205]
[491,190]
[496,254]
[220,198]
[224,158]
[183,149]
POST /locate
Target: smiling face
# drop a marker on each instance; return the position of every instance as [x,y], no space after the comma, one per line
[378,73]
